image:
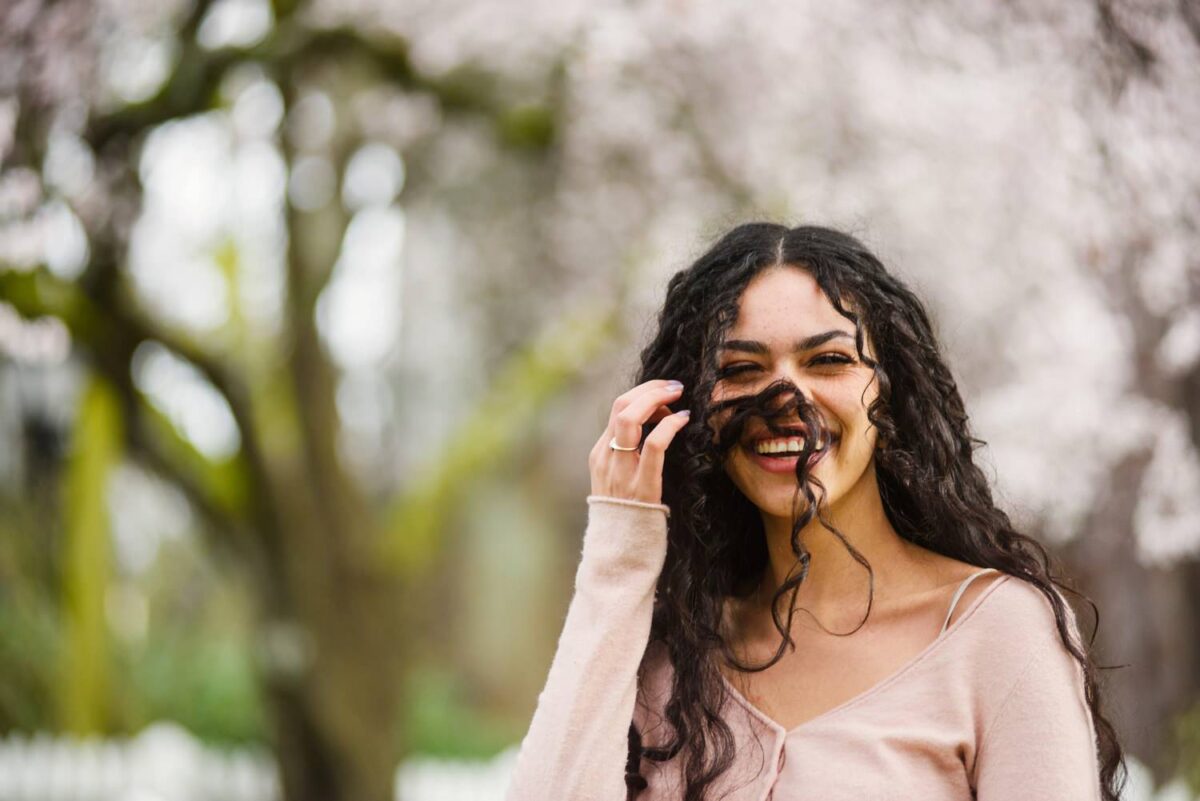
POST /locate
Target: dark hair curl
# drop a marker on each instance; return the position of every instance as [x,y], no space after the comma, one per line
[932,491]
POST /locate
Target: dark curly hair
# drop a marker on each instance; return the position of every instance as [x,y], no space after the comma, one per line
[932,490]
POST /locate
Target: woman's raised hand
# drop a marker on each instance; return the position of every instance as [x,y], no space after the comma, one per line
[637,475]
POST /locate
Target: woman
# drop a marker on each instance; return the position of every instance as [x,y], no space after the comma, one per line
[797,586]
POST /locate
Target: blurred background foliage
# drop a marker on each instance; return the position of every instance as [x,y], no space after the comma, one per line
[310,312]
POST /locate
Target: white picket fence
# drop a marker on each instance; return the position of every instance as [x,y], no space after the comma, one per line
[165,763]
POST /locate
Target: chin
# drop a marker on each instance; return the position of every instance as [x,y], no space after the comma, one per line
[778,503]
[776,498]
[775,495]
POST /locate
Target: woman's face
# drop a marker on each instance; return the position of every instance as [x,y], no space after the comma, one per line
[779,309]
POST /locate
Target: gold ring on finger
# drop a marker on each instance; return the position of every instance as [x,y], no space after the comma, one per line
[612,445]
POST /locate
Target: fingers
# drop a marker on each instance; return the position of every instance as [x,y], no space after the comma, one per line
[633,409]
[660,413]
[620,473]
[650,466]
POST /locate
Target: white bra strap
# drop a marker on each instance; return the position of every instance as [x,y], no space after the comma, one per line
[959,592]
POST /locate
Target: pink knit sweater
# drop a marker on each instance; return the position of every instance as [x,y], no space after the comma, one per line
[992,709]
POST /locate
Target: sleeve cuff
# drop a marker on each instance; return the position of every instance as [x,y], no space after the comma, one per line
[629,502]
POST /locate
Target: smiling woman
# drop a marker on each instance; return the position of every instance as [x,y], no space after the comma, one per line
[821,464]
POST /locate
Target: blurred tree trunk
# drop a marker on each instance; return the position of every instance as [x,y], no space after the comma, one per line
[1142,611]
[333,639]
[1142,608]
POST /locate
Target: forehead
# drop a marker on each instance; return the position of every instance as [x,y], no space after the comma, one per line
[784,302]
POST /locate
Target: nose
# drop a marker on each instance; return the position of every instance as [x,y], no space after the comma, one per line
[789,374]
[801,394]
[788,399]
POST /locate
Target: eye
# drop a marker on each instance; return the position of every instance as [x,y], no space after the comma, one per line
[833,358]
[736,369]
[745,367]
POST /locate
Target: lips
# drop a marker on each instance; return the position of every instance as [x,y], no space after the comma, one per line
[775,463]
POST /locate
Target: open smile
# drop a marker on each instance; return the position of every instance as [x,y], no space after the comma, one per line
[785,462]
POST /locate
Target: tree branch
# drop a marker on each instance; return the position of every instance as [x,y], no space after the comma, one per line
[198,74]
[530,380]
[111,332]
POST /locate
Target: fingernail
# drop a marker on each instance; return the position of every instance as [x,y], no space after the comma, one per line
[674,385]
[684,413]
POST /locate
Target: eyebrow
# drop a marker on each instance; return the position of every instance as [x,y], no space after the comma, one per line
[808,343]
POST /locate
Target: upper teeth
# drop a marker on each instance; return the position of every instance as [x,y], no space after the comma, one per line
[790,445]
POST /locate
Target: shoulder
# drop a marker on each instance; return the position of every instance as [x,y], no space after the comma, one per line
[1016,626]
[1014,605]
[1022,609]
[965,584]
[1009,640]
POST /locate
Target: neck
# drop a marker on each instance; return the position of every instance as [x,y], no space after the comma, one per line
[836,587]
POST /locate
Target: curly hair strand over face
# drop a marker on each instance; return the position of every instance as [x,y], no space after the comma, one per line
[932,491]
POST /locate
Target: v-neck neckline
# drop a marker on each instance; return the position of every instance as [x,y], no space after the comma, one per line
[874,688]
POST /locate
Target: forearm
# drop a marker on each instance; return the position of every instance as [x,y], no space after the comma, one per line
[576,746]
